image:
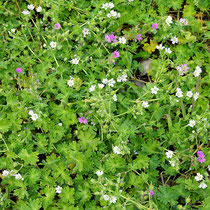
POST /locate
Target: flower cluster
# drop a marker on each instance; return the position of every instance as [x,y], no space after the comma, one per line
[112,199]
[34,116]
[107,5]
[114,14]
[201,156]
[182,69]
[11,173]
[31,7]
[122,78]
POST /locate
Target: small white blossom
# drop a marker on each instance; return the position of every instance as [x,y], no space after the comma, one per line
[208,167]
[44,45]
[111,5]
[100,85]
[85,32]
[65,59]
[192,123]
[53,44]
[199,177]
[169,154]
[13,30]
[169,20]
[25,12]
[60,124]
[179,93]
[111,82]
[115,97]
[172,163]
[154,90]
[18,176]
[160,47]
[174,40]
[117,150]
[70,82]
[130,0]
[58,189]
[145,104]
[99,173]
[30,7]
[168,50]
[31,112]
[124,77]
[5,173]
[202,185]
[107,5]
[106,197]
[113,199]
[197,71]
[39,9]
[75,61]
[189,94]
[196,96]
[92,88]
[105,81]
[122,40]
[34,117]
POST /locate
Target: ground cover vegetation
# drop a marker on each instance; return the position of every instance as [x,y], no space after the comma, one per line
[104,104]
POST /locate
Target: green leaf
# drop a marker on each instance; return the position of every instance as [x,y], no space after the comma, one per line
[31,158]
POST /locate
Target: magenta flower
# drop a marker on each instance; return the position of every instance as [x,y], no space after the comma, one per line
[151,192]
[57,26]
[155,26]
[110,38]
[82,120]
[138,37]
[19,70]
[116,54]
[201,156]
[182,69]
[201,159]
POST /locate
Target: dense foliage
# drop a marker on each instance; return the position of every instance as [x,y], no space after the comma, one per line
[104,104]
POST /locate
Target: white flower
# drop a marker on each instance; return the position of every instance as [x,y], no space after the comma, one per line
[202,185]
[70,82]
[117,150]
[106,197]
[99,173]
[44,45]
[30,7]
[85,32]
[197,71]
[100,85]
[31,112]
[18,176]
[12,173]
[53,44]
[111,82]
[34,117]
[174,40]
[5,173]
[172,163]
[92,88]
[168,50]
[75,61]
[169,20]
[160,47]
[105,6]
[169,154]
[145,104]
[192,123]
[60,124]
[130,0]
[13,30]
[199,177]
[182,20]
[208,167]
[108,15]
[189,94]
[179,93]
[115,97]
[124,77]
[65,59]
[105,81]
[113,199]
[111,5]
[39,9]
[58,189]
[25,12]
[196,96]
[113,13]
[122,40]
[154,90]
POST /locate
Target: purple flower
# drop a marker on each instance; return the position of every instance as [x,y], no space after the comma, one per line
[200,154]
[116,54]
[155,26]
[110,38]
[201,159]
[151,192]
[138,37]
[82,120]
[57,26]
[19,70]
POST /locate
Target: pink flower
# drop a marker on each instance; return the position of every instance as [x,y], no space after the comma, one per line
[138,37]
[82,120]
[201,159]
[110,38]
[155,26]
[200,154]
[116,54]
[19,70]
[57,26]
[151,192]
